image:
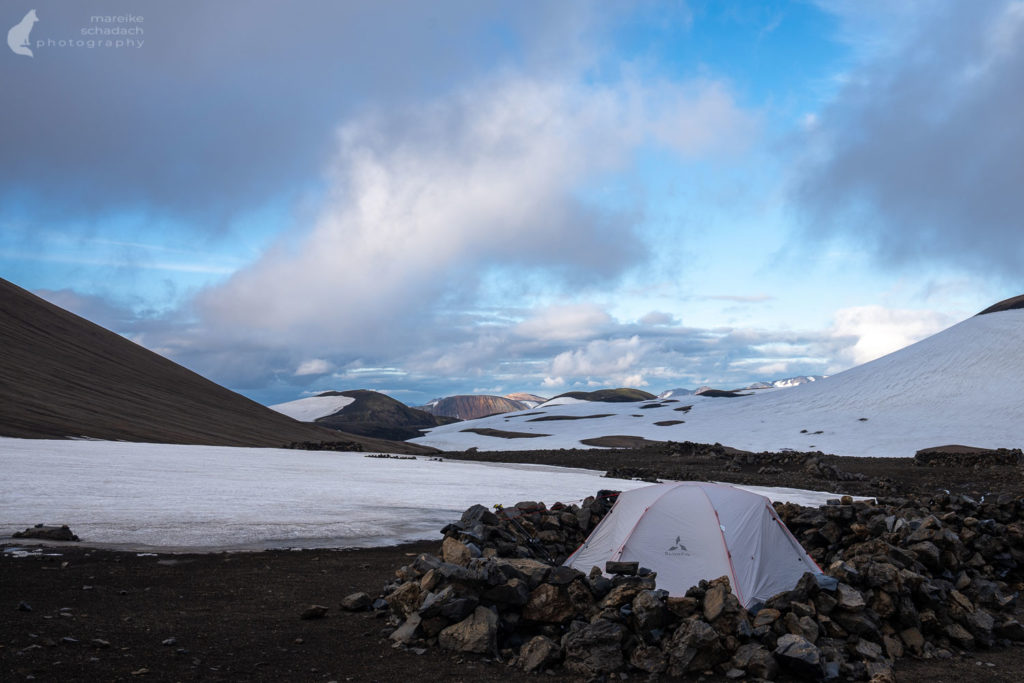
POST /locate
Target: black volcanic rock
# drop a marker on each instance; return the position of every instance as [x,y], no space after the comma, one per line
[63,376]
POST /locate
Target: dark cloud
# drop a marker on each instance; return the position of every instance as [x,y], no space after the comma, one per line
[230,102]
[919,155]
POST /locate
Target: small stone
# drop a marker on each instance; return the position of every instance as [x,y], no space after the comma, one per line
[850,598]
[170,641]
[24,607]
[356,602]
[314,612]
[624,568]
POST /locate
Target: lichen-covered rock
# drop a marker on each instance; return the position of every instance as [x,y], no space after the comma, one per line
[476,633]
[539,653]
[549,604]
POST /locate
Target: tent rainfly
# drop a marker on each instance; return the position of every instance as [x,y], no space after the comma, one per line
[688,531]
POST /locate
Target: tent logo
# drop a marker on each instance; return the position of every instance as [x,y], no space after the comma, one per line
[677,548]
[17,37]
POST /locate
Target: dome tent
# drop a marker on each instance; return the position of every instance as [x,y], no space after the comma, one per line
[688,531]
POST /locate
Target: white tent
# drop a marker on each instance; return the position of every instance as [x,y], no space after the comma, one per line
[688,531]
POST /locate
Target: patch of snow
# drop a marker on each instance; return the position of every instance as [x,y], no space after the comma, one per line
[562,401]
[155,496]
[312,408]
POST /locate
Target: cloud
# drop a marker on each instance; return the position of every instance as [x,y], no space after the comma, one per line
[564,322]
[918,156]
[228,103]
[609,359]
[422,201]
[657,318]
[877,331]
[314,366]
[743,299]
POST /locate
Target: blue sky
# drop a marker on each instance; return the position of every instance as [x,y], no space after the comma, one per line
[455,197]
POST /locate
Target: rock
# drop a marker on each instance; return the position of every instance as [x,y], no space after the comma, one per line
[1011,629]
[649,612]
[649,659]
[455,552]
[408,631]
[448,604]
[476,633]
[533,572]
[850,598]
[960,636]
[24,607]
[714,601]
[314,612]
[539,653]
[694,647]
[682,607]
[405,599]
[593,649]
[513,593]
[625,568]
[868,650]
[548,604]
[799,655]
[621,595]
[756,660]
[478,513]
[49,533]
[167,642]
[766,616]
[356,602]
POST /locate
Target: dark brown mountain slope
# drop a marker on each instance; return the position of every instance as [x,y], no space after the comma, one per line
[1005,305]
[63,376]
[380,416]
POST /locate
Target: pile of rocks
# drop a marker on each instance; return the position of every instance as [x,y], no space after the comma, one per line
[926,578]
[49,533]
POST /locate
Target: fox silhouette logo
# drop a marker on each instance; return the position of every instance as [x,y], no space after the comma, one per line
[677,548]
[17,37]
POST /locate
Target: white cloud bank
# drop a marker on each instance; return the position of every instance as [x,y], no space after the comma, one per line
[421,202]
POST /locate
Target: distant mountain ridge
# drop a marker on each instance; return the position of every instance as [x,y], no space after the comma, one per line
[775,384]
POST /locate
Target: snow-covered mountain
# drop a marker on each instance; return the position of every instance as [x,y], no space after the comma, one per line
[960,386]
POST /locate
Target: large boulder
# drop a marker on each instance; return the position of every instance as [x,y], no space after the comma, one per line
[799,655]
[539,653]
[593,649]
[476,633]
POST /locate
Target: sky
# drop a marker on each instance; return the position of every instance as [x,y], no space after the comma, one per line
[453,197]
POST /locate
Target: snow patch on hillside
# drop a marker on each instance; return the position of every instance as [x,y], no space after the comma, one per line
[312,408]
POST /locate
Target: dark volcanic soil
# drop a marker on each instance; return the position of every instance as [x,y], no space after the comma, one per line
[236,616]
[856,476]
[105,616]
